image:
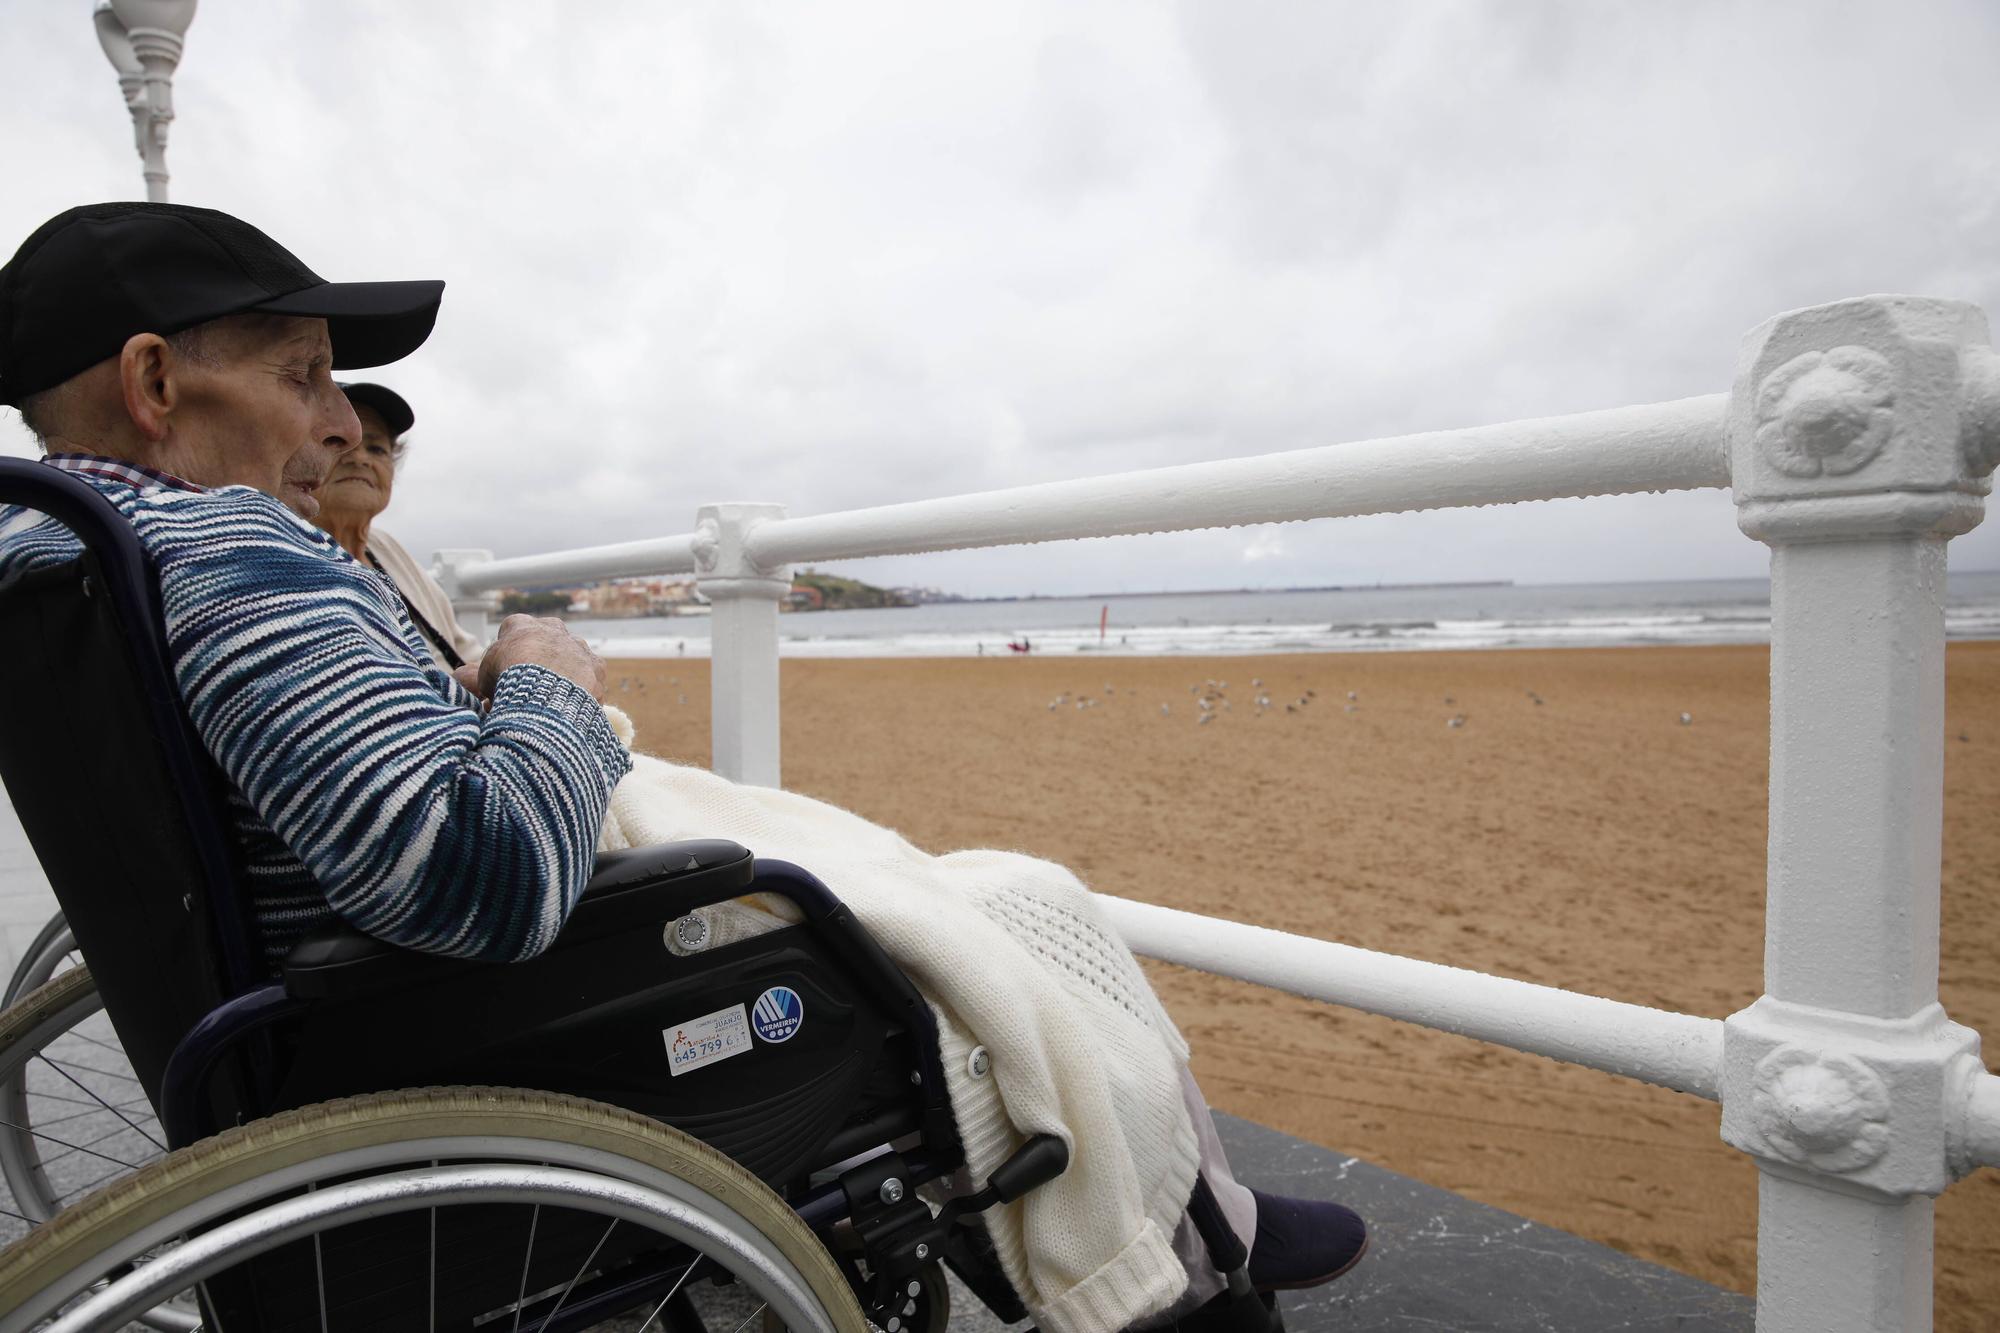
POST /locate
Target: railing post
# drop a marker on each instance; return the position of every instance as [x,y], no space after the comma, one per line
[1861,436]
[743,641]
[473,609]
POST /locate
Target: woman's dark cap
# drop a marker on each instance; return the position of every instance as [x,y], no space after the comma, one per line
[92,277]
[396,413]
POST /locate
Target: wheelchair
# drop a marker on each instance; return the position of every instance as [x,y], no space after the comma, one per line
[374,1138]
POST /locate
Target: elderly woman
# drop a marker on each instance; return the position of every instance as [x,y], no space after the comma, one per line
[357,490]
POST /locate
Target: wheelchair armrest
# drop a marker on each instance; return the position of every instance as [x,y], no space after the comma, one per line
[641,886]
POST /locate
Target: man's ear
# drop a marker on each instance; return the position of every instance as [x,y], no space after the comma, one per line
[146,369]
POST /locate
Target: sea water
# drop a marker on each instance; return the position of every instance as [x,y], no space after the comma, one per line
[1578,615]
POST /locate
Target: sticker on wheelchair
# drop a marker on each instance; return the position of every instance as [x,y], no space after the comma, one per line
[703,1041]
[778,1014]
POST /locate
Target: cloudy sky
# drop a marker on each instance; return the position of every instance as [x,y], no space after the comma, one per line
[840,255]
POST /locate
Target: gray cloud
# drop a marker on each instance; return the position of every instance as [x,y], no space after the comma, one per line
[847,255]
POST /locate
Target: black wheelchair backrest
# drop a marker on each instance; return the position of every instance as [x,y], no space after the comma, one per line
[115,793]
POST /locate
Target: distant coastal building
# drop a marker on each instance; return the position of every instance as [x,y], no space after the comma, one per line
[926,596]
[623,599]
[616,600]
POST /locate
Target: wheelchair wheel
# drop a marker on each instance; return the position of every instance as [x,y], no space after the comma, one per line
[343,1205]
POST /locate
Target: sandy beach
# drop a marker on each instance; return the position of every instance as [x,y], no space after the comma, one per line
[1590,840]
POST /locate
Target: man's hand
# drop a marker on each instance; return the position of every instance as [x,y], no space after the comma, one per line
[543,641]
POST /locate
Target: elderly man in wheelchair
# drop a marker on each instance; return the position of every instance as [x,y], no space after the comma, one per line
[426,1059]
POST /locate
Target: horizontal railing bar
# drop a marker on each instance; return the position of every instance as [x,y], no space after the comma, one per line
[1678,1051]
[1982,1121]
[589,564]
[1656,447]
[1678,445]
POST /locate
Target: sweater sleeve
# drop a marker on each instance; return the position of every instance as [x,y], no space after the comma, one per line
[425,822]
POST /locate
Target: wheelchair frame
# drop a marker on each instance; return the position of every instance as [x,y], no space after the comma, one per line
[168,905]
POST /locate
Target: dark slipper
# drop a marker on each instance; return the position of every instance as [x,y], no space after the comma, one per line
[1303,1242]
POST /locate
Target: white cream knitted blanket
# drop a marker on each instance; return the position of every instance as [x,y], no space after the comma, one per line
[1013,956]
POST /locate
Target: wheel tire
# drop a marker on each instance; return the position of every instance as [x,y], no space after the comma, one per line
[280,1146]
[20,1019]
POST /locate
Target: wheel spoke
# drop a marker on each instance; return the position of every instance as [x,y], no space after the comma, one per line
[91,1184]
[120,1114]
[669,1296]
[319,1269]
[80,1035]
[527,1261]
[585,1268]
[64,1099]
[85,1146]
[752,1315]
[96,1102]
[434,1262]
[87,1115]
[78,1147]
[65,1065]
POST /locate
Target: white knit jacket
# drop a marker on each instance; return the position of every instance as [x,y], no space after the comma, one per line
[1013,955]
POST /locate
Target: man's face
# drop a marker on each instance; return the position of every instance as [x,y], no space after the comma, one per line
[264,411]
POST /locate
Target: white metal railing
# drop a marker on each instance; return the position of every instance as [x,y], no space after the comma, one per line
[1858,439]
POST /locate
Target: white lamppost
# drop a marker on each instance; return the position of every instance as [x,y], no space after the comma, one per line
[142,39]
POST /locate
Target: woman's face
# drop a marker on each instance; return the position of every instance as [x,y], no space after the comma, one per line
[363,475]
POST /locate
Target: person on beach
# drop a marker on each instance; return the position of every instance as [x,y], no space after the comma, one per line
[181,362]
[358,488]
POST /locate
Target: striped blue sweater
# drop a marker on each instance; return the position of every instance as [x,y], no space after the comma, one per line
[366,782]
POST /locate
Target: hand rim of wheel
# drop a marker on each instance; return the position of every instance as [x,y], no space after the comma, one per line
[306,1214]
[415,1127]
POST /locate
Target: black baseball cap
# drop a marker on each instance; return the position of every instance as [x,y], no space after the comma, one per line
[91,277]
[396,413]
